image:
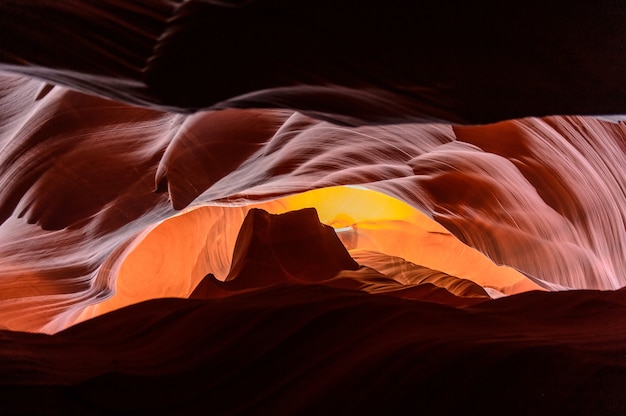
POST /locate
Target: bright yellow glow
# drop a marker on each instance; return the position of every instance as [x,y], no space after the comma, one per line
[172,257]
[340,205]
[385,224]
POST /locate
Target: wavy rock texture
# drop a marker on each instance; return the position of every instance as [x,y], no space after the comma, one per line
[146,148]
[285,336]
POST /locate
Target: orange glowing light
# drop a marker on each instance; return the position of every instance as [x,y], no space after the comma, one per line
[170,259]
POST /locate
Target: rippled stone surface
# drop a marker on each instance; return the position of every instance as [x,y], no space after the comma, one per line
[470,190]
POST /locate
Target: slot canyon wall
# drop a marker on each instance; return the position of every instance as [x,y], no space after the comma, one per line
[306,207]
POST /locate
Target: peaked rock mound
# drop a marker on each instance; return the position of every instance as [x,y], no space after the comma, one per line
[296,248]
[291,247]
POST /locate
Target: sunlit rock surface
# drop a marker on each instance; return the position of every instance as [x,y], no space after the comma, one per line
[482,262]
[81,190]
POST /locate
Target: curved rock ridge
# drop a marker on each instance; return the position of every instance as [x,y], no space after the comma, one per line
[541,195]
[408,273]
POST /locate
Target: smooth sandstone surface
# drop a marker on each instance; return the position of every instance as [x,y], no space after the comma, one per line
[281,207]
